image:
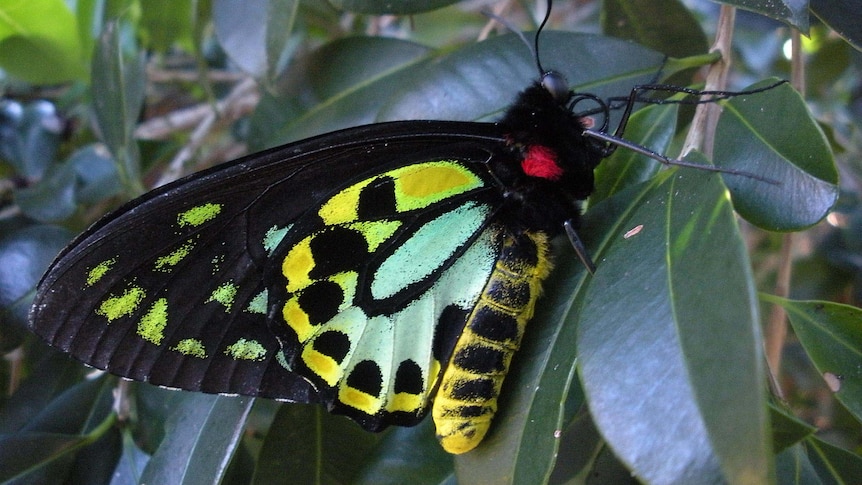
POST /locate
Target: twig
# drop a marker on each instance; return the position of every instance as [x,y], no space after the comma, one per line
[776,327]
[241,100]
[701,135]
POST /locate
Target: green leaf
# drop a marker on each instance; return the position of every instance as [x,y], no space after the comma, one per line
[202,434]
[25,253]
[832,336]
[666,26]
[315,446]
[87,177]
[792,13]
[403,454]
[258,35]
[355,77]
[167,22]
[845,18]
[787,429]
[51,443]
[43,30]
[118,95]
[772,134]
[478,82]
[653,127]
[381,7]
[668,338]
[793,467]
[834,464]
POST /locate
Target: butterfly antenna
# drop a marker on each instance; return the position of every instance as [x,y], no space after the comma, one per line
[536,38]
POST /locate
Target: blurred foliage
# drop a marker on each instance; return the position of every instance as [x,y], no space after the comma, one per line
[105,98]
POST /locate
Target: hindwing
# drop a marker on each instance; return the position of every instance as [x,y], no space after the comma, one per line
[373,284]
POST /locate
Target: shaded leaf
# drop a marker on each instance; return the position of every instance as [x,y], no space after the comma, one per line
[664,311]
[166,22]
[832,336]
[792,12]
[787,429]
[842,16]
[380,7]
[24,256]
[834,464]
[315,446]
[118,95]
[204,431]
[666,26]
[256,34]
[773,135]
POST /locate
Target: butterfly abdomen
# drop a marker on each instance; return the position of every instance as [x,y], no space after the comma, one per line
[467,397]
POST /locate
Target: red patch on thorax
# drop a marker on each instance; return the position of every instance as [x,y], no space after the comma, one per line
[540,161]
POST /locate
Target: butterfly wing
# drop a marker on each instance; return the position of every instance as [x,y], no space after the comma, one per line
[186,287]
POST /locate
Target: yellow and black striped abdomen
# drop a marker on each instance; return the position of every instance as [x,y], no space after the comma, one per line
[467,397]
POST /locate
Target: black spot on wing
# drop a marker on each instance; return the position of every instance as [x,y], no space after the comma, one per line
[333,344]
[366,377]
[377,200]
[337,249]
[408,378]
[321,301]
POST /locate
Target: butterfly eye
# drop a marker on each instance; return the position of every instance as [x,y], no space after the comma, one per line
[555,84]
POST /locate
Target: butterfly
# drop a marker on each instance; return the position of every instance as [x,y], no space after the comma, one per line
[386,271]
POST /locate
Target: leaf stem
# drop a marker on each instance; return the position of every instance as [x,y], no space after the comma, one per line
[701,135]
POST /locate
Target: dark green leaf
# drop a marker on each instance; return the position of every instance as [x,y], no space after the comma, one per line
[580,446]
[315,446]
[23,455]
[666,26]
[24,256]
[773,135]
[407,455]
[30,136]
[792,13]
[832,336]
[787,429]
[166,22]
[667,307]
[793,467]
[478,82]
[118,95]
[51,443]
[49,378]
[380,7]
[652,127]
[202,434]
[352,79]
[95,173]
[842,16]
[53,198]
[256,34]
[834,464]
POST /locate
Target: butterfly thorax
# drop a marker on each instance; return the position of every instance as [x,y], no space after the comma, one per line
[551,169]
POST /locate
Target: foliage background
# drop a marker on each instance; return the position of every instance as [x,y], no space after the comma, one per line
[106,98]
